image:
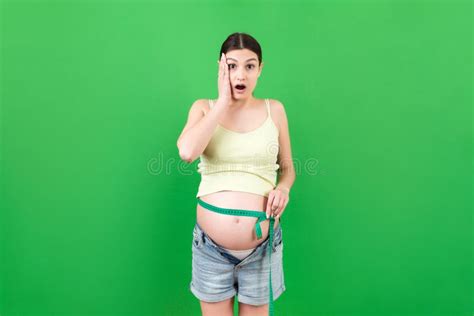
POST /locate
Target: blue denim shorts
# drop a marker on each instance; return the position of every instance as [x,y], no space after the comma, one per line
[217,275]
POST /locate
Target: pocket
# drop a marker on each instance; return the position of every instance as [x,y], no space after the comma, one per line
[197,238]
[277,240]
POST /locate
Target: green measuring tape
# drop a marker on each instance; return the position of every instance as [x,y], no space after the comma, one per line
[261,217]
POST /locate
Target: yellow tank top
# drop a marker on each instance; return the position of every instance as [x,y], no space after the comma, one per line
[238,161]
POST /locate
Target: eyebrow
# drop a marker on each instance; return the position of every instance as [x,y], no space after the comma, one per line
[246,60]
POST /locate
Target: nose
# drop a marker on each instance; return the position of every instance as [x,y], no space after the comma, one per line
[239,76]
[239,80]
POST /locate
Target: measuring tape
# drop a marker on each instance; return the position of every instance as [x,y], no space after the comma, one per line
[261,217]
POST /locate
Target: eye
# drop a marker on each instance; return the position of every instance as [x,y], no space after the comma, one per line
[231,66]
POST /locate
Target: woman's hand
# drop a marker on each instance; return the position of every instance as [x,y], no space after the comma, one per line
[223,81]
[277,201]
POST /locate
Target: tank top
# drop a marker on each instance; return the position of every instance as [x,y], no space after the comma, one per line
[235,161]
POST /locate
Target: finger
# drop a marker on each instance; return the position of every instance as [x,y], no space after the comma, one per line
[279,211]
[269,203]
[280,206]
[284,207]
[275,203]
[219,71]
[226,67]
[226,64]
[279,215]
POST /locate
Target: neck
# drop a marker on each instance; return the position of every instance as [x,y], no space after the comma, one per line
[242,103]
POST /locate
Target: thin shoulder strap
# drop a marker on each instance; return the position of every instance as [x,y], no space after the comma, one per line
[267,102]
[210,106]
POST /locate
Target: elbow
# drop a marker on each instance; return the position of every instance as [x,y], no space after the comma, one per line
[183,154]
[186,157]
[186,154]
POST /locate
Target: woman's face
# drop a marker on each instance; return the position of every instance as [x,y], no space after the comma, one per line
[243,70]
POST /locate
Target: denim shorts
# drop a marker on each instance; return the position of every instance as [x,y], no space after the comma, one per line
[217,275]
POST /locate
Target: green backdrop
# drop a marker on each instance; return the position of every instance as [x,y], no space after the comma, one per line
[97,209]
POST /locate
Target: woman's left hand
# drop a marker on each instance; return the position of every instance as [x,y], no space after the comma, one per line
[278,198]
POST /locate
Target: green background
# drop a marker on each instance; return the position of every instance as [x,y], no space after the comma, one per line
[97,209]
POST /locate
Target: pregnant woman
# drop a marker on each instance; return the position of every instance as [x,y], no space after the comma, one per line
[242,143]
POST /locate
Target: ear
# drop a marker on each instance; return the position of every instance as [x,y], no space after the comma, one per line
[261,67]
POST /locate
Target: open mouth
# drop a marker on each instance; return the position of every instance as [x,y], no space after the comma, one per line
[240,88]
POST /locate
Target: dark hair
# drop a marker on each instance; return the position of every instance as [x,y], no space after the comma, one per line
[240,41]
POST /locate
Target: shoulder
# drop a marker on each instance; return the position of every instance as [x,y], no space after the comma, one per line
[276,105]
[277,110]
[200,105]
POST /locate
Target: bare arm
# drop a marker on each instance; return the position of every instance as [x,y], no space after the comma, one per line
[199,128]
[287,173]
[279,197]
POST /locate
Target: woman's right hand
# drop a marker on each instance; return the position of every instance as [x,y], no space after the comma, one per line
[223,81]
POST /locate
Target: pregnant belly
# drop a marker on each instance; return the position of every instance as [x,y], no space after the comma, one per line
[229,231]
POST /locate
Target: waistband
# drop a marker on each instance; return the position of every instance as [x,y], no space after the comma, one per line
[261,215]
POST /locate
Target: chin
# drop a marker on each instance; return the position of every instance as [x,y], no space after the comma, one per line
[241,95]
